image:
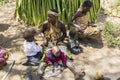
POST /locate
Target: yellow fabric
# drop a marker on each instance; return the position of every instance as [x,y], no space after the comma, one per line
[53,13]
[98,76]
[89,31]
[53,33]
[6,55]
[82,22]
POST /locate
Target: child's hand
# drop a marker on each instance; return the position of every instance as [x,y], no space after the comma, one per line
[52,67]
[79,28]
[60,67]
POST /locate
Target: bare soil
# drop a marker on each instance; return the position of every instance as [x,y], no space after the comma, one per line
[95,57]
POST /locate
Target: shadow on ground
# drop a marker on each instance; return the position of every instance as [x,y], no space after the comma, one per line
[4,27]
[91,43]
[7,42]
[118,79]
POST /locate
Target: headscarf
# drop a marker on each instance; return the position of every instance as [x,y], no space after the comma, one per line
[53,13]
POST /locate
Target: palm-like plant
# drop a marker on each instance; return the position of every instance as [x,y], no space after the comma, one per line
[3,2]
[35,11]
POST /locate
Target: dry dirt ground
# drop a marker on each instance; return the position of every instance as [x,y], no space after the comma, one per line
[95,58]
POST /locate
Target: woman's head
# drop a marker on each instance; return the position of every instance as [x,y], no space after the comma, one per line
[56,51]
[86,6]
[52,15]
[29,34]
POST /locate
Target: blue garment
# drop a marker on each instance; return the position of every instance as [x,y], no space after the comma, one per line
[73,46]
[71,43]
[35,58]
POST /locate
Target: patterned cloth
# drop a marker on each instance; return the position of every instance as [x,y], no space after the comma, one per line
[53,33]
[2,52]
[3,57]
[89,31]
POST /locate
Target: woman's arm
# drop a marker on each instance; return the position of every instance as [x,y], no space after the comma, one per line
[63,30]
[76,15]
[73,18]
[42,30]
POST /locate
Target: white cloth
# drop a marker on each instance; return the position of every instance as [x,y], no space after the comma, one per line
[31,48]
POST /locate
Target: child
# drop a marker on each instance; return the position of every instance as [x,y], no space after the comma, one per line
[32,50]
[73,44]
[55,55]
[3,57]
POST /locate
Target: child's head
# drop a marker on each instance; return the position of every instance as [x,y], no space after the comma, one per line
[56,51]
[29,34]
[72,34]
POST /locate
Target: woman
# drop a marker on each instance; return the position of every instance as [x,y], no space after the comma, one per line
[53,30]
[80,22]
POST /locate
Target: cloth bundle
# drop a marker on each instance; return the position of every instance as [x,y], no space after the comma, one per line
[3,55]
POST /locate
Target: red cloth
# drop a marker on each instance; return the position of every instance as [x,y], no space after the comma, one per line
[50,58]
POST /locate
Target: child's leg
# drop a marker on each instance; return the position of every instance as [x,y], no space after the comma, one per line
[31,61]
[39,55]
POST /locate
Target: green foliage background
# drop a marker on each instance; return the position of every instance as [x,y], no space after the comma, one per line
[35,11]
[111,34]
[2,2]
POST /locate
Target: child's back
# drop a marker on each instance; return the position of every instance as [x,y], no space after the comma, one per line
[32,50]
[73,44]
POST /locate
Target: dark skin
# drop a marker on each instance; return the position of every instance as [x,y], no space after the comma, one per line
[79,14]
[53,20]
[30,39]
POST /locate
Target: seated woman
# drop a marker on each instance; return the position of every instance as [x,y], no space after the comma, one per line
[55,55]
[80,22]
[53,30]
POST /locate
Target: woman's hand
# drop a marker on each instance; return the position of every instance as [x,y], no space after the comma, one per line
[78,27]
